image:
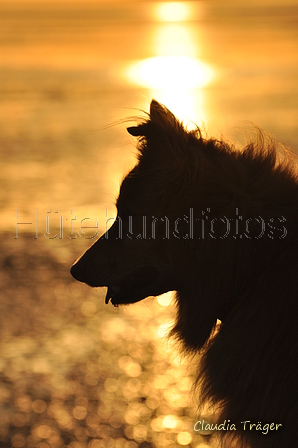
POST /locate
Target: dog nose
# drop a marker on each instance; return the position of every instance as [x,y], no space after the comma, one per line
[77,272]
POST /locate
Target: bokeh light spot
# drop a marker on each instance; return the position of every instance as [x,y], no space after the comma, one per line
[18,441]
[170,421]
[131,417]
[140,432]
[116,421]
[164,329]
[24,403]
[111,385]
[80,412]
[39,406]
[165,299]
[184,438]
[42,431]
[95,443]
[89,308]
[157,424]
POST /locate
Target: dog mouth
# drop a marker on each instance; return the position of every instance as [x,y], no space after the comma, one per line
[112,291]
[144,283]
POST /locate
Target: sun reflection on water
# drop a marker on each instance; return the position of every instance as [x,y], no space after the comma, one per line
[173,11]
[171,73]
[175,75]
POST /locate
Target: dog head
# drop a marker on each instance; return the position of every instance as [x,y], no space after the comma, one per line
[178,226]
[134,259]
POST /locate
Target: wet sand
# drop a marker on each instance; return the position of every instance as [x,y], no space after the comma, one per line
[75,372]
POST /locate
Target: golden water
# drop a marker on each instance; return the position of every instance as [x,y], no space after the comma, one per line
[75,373]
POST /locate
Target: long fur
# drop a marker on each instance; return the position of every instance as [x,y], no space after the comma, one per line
[221,230]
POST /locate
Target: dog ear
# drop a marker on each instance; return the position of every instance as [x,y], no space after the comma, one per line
[136,131]
[160,116]
[157,111]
